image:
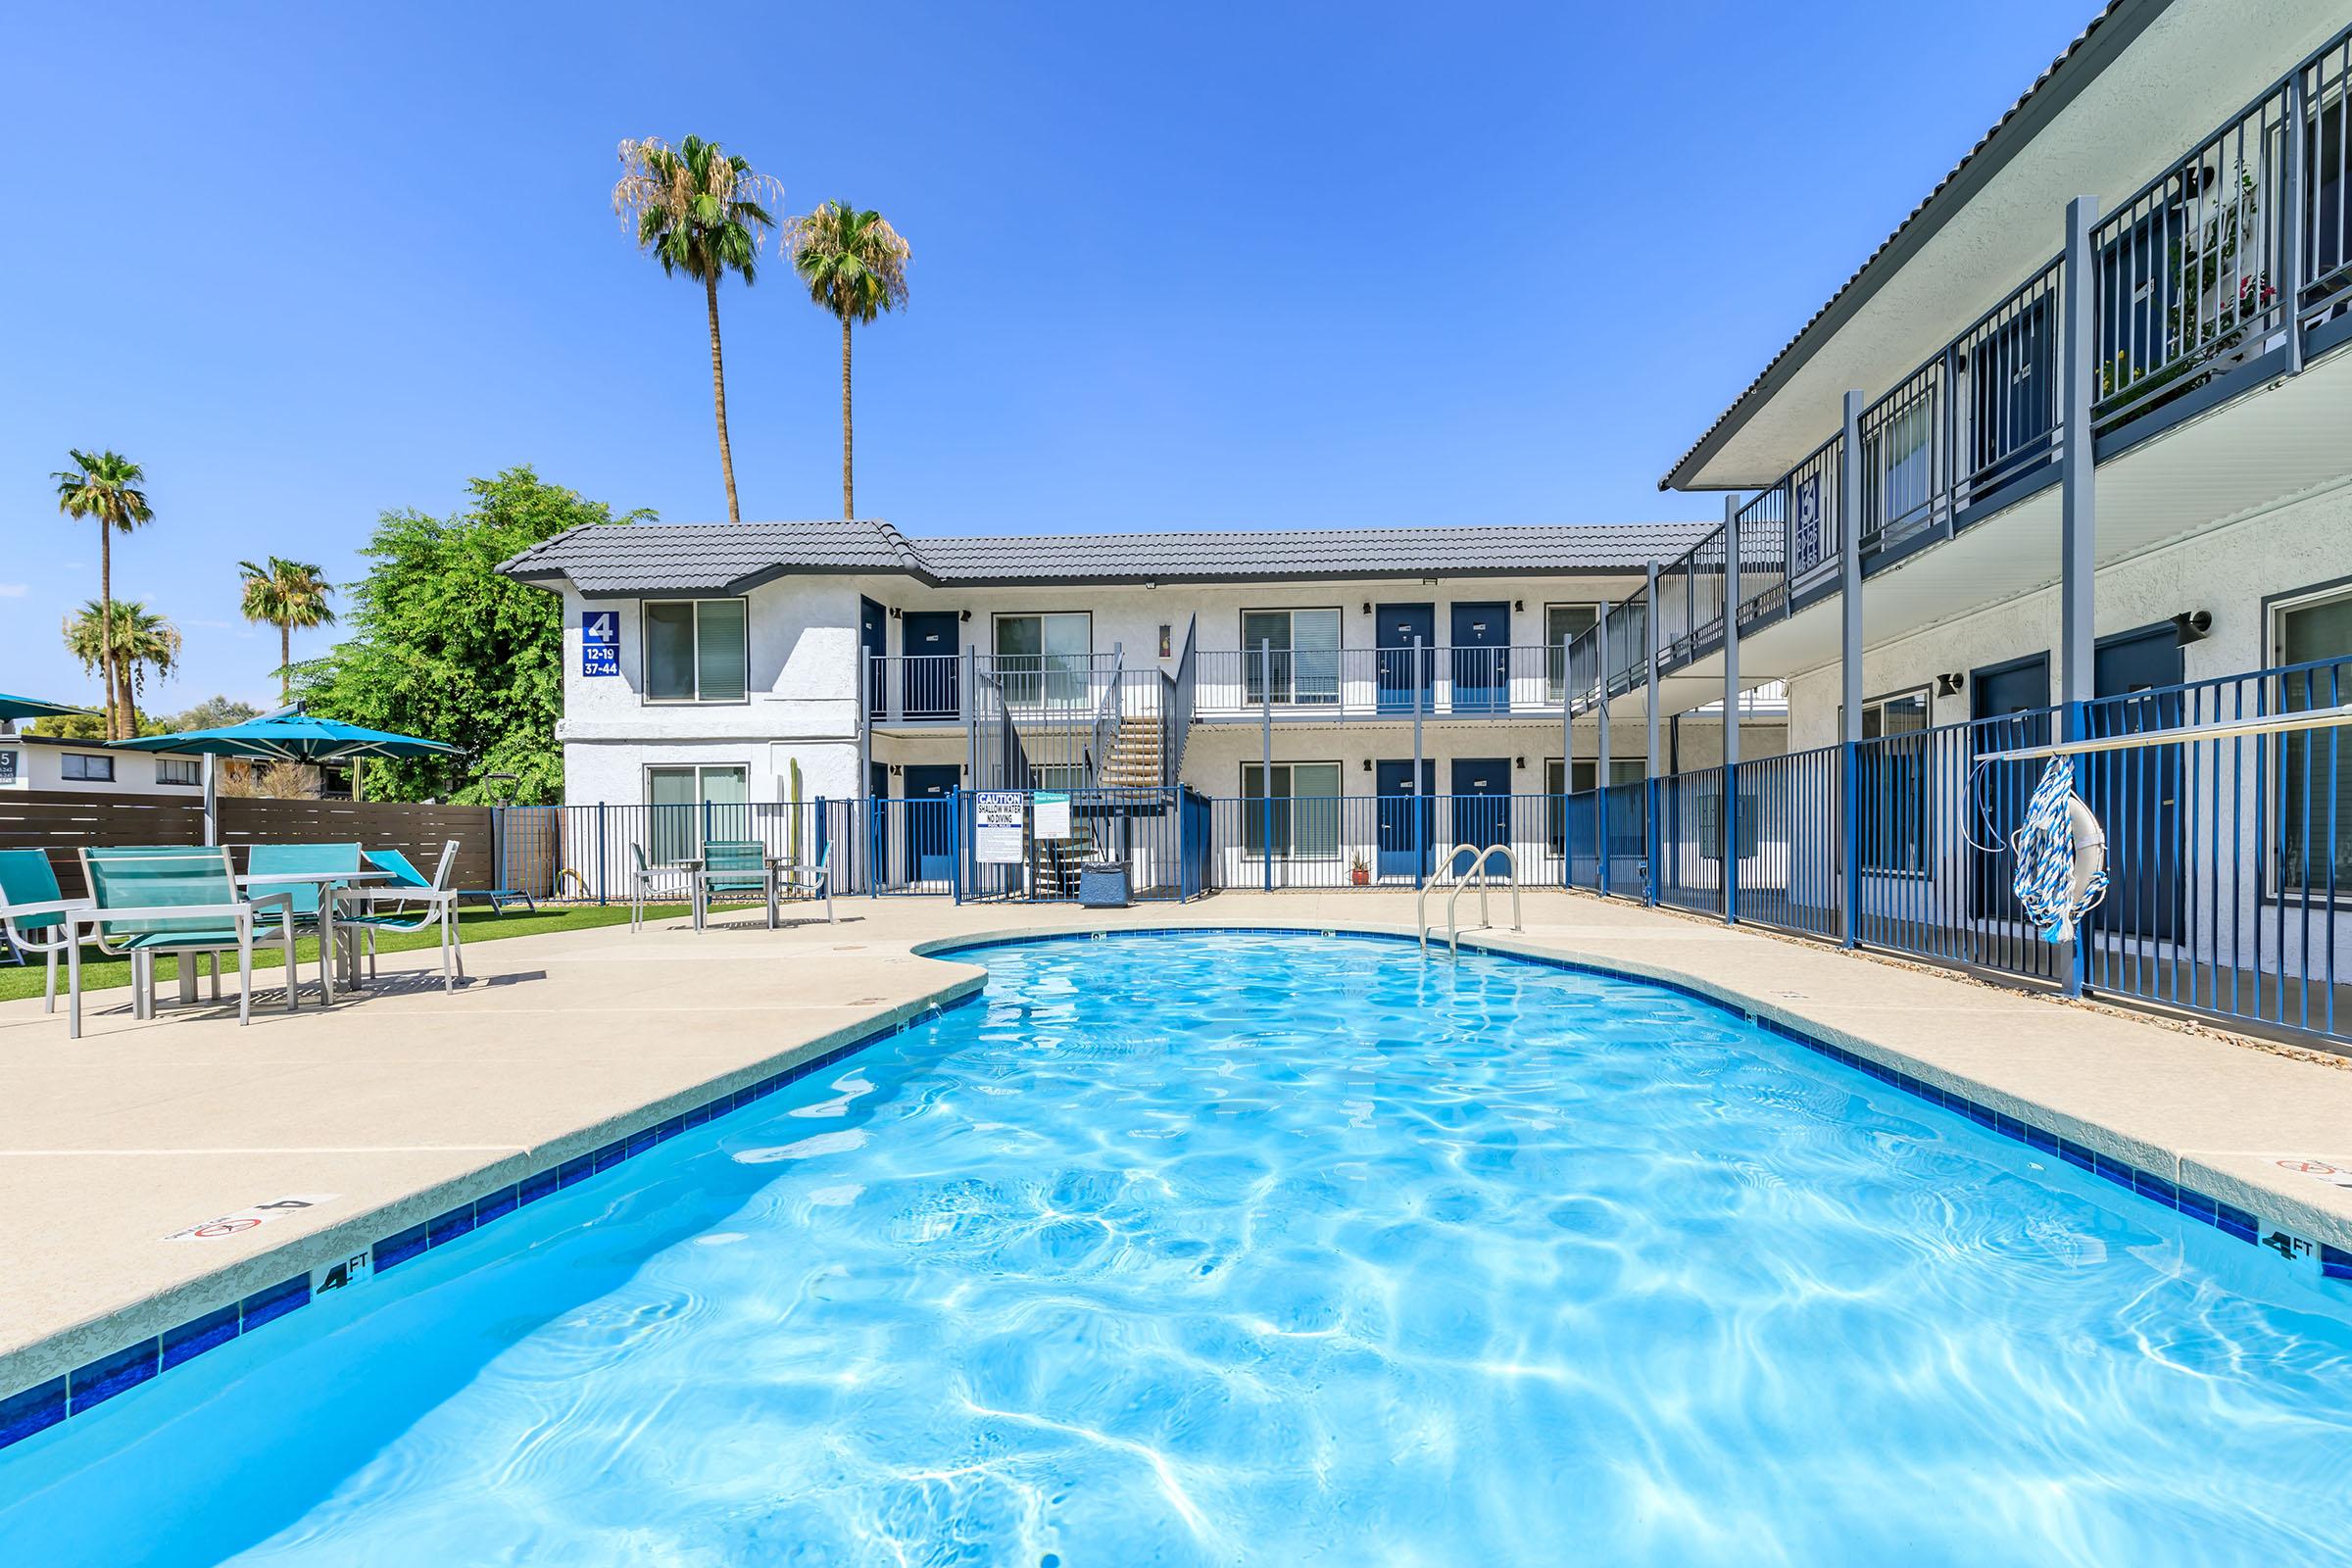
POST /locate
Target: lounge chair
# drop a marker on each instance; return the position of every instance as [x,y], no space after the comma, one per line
[38,918]
[182,899]
[733,866]
[385,907]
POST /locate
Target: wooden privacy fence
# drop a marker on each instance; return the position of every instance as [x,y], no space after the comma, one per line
[61,821]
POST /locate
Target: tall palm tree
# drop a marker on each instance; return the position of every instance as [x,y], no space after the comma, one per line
[107,486]
[285,594]
[698,210]
[854,265]
[128,638]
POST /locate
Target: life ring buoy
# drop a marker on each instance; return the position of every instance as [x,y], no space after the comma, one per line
[2089,878]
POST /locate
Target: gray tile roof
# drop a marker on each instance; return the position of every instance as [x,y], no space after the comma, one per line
[729,558]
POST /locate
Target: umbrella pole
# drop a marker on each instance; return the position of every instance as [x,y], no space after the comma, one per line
[211,800]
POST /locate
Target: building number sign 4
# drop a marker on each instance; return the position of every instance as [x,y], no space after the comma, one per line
[599,642]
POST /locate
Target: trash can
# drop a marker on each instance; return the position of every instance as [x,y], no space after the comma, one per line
[1103,885]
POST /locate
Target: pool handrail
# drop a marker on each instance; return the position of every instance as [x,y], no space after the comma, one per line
[1461,880]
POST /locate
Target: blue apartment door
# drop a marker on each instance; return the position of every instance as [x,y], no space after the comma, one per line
[873,642]
[1482,644]
[929,687]
[2136,794]
[1401,850]
[1394,627]
[1481,814]
[929,833]
[2011,703]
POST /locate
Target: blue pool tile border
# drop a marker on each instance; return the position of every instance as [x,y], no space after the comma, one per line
[46,1404]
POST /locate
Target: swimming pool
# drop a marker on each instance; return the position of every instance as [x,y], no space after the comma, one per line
[1214,1249]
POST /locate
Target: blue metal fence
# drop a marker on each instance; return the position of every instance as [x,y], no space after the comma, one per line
[2227,869]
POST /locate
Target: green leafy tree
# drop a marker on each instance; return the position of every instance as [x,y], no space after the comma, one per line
[129,639]
[442,645]
[107,486]
[697,211]
[213,712]
[285,594]
[855,267]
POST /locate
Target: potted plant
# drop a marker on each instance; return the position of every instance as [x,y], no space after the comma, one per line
[1358,872]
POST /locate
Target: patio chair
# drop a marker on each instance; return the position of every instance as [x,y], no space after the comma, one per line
[733,866]
[641,886]
[37,917]
[183,900]
[811,881]
[385,907]
[305,898]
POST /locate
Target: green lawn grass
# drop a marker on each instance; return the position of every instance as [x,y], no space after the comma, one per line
[475,925]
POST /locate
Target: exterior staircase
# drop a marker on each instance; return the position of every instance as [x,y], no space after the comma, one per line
[1133,761]
[1055,863]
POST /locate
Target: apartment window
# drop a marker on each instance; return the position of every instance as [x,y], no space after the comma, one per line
[2314,768]
[178,770]
[1894,778]
[1563,624]
[696,650]
[82,768]
[1045,659]
[1305,819]
[1292,655]
[688,805]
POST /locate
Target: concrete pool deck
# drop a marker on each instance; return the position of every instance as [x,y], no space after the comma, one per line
[407,1100]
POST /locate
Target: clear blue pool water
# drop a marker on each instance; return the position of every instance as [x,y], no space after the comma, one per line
[1261,1250]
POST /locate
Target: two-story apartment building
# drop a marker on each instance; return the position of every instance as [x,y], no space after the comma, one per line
[2069,455]
[792,661]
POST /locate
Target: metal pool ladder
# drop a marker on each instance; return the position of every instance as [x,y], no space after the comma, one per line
[1453,891]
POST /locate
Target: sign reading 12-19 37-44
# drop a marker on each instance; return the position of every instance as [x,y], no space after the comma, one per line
[599,642]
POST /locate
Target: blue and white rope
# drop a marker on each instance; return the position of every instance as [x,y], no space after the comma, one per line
[2044,847]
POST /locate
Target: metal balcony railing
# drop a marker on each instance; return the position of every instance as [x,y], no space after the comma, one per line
[1437,680]
[2236,260]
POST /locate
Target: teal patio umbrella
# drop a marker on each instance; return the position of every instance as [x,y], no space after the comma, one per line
[33,707]
[291,736]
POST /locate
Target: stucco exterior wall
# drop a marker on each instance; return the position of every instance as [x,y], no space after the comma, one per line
[2228,572]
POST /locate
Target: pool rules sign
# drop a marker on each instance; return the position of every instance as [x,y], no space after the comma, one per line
[599,642]
[997,827]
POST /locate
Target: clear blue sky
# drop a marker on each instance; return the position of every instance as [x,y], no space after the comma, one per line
[1174,266]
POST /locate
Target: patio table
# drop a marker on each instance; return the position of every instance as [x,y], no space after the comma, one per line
[326,882]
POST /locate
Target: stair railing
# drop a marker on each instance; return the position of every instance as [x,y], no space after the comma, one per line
[1177,694]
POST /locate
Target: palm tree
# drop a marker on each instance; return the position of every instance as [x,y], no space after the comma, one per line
[854,265]
[106,485]
[128,638]
[697,211]
[286,594]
